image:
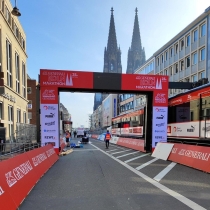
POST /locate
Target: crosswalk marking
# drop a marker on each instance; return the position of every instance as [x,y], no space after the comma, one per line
[164,172]
[121,151]
[112,150]
[146,164]
[127,154]
[127,161]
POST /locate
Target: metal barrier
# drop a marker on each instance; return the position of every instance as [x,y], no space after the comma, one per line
[8,150]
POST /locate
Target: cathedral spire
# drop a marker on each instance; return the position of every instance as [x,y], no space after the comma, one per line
[136,55]
[112,39]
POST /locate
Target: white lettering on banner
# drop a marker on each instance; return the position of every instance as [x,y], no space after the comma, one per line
[194,154]
[160,98]
[174,150]
[1,191]
[38,159]
[16,174]
[145,87]
[50,152]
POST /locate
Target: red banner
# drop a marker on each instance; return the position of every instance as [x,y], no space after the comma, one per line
[144,82]
[193,156]
[136,144]
[66,79]
[19,174]
[160,98]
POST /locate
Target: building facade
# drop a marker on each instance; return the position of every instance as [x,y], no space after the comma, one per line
[13,72]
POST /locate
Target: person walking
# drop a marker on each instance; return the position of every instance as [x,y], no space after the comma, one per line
[107,138]
[68,135]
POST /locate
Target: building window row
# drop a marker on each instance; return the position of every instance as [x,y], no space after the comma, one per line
[124,97]
[4,9]
[126,107]
[147,69]
[182,43]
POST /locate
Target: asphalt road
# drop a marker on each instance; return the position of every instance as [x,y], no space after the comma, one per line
[95,178]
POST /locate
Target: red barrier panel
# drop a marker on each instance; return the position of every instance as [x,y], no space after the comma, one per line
[194,156]
[19,174]
[6,201]
[94,136]
[136,144]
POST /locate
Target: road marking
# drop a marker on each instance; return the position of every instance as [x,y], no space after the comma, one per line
[127,154]
[146,164]
[121,151]
[112,150]
[83,150]
[165,189]
[127,161]
[164,172]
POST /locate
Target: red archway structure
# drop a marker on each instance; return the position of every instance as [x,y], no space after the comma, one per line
[154,86]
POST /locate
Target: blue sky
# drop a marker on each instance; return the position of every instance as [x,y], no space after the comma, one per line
[72,35]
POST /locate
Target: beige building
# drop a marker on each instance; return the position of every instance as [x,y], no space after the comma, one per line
[13,73]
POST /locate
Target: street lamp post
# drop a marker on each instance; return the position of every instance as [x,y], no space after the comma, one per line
[15,11]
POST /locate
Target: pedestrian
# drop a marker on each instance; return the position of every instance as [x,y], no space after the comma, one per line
[75,133]
[107,138]
[68,135]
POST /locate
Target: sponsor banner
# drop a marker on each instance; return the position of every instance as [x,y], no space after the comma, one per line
[93,136]
[101,137]
[70,79]
[188,97]
[49,95]
[189,129]
[159,125]
[114,140]
[134,131]
[193,156]
[51,153]
[136,144]
[49,125]
[160,98]
[144,82]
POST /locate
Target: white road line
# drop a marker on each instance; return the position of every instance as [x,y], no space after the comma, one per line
[127,154]
[82,150]
[121,151]
[164,172]
[181,198]
[146,164]
[127,161]
[112,150]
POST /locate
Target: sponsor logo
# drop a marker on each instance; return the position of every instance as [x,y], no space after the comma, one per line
[168,129]
[160,124]
[160,131]
[160,117]
[50,152]
[192,129]
[39,158]
[51,115]
[146,82]
[177,129]
[158,84]
[159,137]
[1,191]
[175,101]
[160,110]
[189,97]
[49,107]
[160,98]
[18,173]
[48,94]
[50,123]
[46,130]
[49,137]
[207,128]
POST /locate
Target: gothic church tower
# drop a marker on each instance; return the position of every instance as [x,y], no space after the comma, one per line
[112,54]
[136,54]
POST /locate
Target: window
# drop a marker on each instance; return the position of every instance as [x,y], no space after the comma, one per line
[9,62]
[10,119]
[202,54]
[162,58]
[188,41]
[191,116]
[171,71]
[24,117]
[176,48]
[187,79]
[202,75]
[203,30]
[29,90]
[158,62]
[181,65]
[24,79]
[166,56]
[166,71]
[176,68]
[195,35]
[18,116]
[171,51]
[30,116]
[194,78]
[1,111]
[195,58]
[8,16]
[181,44]
[188,62]
[17,69]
